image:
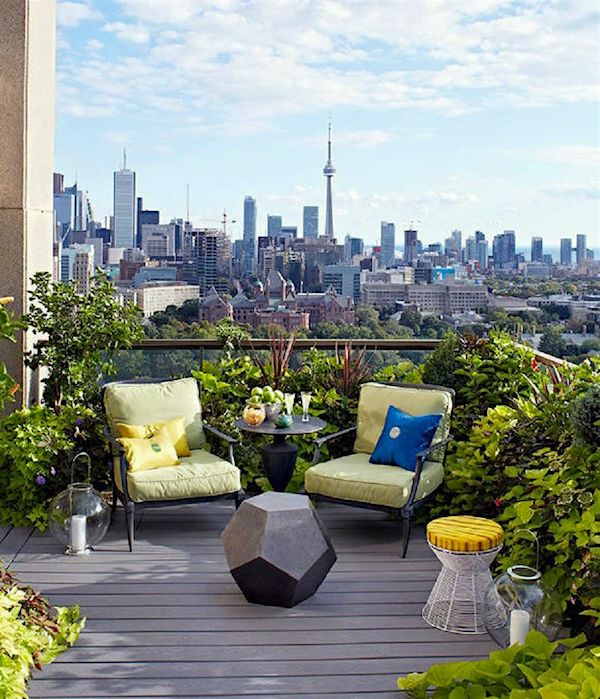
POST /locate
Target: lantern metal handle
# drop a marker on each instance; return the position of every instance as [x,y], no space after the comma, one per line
[89,462]
[537,544]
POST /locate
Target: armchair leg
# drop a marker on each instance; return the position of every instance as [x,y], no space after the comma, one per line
[406,522]
[130,517]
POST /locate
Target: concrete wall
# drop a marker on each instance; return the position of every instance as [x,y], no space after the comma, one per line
[27,63]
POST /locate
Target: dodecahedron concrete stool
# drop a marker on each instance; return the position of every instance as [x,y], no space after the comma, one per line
[277,549]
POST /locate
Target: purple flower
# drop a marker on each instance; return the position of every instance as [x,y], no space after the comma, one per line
[52,471]
[79,421]
[40,480]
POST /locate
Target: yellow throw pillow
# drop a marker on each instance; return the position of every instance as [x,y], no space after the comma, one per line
[154,452]
[175,429]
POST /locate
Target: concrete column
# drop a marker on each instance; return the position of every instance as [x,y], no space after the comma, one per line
[27,62]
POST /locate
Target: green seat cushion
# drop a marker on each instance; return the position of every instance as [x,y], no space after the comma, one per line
[376,398]
[354,478]
[146,403]
[200,475]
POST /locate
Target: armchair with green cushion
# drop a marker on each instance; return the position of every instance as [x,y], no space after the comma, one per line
[353,480]
[199,477]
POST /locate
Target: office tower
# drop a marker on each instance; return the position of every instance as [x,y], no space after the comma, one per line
[273,226]
[289,231]
[411,246]
[352,247]
[388,244]
[456,236]
[58,182]
[580,249]
[207,254]
[479,236]
[566,247]
[470,250]
[481,253]
[329,172]
[310,222]
[144,217]
[504,250]
[249,238]
[124,207]
[345,279]
[537,249]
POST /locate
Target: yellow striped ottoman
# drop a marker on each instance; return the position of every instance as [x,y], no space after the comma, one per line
[466,547]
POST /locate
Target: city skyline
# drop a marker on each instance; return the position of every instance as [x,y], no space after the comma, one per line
[472,121]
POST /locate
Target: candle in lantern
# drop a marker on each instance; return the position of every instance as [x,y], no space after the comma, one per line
[78,533]
[519,626]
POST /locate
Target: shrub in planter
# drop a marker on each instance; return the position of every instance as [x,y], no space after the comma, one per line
[531,671]
[30,634]
[36,449]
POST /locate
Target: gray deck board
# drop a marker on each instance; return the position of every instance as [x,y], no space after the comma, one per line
[168,620]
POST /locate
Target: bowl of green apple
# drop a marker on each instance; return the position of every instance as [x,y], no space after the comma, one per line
[271,399]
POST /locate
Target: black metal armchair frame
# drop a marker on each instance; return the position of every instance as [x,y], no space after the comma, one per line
[122,493]
[406,512]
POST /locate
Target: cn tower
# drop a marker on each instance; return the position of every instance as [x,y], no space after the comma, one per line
[329,172]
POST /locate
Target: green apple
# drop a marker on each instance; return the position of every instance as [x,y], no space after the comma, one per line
[279,395]
[268,395]
[256,391]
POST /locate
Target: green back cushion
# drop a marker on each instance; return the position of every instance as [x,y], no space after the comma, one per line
[141,404]
[376,398]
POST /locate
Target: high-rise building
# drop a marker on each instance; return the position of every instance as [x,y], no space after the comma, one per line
[329,172]
[411,244]
[345,279]
[537,249]
[503,252]
[124,207]
[566,248]
[456,236]
[144,217]
[388,244]
[580,249]
[352,247]
[481,250]
[249,239]
[58,182]
[274,225]
[310,222]
[289,231]
[470,249]
[207,253]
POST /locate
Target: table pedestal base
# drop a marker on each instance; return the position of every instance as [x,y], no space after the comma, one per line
[279,460]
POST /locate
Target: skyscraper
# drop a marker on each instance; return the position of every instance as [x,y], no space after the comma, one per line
[249,234]
[124,207]
[329,172]
[580,252]
[504,250]
[388,244]
[481,248]
[411,246]
[566,247]
[310,222]
[537,249]
[274,224]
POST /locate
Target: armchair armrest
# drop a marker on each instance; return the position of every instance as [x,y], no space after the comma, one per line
[436,445]
[226,438]
[117,446]
[221,435]
[320,441]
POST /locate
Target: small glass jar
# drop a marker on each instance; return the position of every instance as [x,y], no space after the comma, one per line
[254,414]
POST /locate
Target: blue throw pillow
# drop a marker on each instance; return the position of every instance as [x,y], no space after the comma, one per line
[403,437]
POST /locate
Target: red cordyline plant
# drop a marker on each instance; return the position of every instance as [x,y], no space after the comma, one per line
[350,371]
[280,349]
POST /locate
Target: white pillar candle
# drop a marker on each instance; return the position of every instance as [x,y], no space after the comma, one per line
[78,532]
[519,626]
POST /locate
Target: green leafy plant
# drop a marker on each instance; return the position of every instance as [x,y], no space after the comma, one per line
[30,634]
[273,371]
[585,415]
[8,328]
[531,671]
[36,449]
[77,337]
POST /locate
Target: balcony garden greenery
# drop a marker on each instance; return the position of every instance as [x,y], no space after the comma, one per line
[526,449]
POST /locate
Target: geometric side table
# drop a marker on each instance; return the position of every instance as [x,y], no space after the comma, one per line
[466,547]
[277,549]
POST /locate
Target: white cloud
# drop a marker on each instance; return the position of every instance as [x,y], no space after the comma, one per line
[572,154]
[136,33]
[70,14]
[94,45]
[567,191]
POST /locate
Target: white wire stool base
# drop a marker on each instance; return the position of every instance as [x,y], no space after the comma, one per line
[456,601]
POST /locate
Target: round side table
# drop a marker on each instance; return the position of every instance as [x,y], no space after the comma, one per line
[466,547]
[279,457]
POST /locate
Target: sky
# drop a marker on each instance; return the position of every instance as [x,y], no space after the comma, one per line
[446,114]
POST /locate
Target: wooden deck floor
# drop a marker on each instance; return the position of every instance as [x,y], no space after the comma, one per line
[169,621]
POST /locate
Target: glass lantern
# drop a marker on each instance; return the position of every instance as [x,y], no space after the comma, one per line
[79,516]
[518,601]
